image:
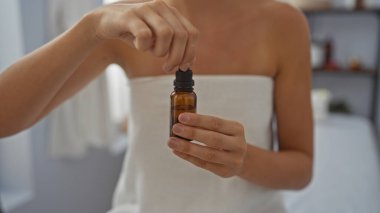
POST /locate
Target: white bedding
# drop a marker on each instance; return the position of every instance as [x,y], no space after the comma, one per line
[346,170]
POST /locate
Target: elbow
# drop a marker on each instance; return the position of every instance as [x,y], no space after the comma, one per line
[306,176]
[11,125]
[15,121]
[302,184]
[8,129]
[6,133]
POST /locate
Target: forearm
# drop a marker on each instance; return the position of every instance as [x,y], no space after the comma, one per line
[27,86]
[277,170]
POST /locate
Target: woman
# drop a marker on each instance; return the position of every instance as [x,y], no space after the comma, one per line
[250,57]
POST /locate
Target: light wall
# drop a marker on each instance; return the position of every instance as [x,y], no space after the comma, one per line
[61,186]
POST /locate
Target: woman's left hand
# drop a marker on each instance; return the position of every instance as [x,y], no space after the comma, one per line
[225,146]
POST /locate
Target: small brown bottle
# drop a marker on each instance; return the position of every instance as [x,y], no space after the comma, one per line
[183,99]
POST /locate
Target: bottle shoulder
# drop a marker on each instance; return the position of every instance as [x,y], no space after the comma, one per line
[178,93]
[183,95]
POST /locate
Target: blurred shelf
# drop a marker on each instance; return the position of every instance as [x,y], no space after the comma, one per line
[342,11]
[367,73]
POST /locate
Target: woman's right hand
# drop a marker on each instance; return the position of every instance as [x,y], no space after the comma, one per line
[149,26]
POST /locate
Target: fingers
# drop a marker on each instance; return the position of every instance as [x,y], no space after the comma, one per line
[162,31]
[175,37]
[210,138]
[202,152]
[150,26]
[193,35]
[140,35]
[224,143]
[215,124]
[212,167]
[180,40]
[185,39]
[182,50]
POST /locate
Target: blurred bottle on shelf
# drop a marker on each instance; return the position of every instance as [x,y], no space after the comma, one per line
[329,63]
[359,5]
[355,64]
[317,55]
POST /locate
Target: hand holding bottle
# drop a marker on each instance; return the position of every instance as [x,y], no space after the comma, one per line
[149,26]
[225,147]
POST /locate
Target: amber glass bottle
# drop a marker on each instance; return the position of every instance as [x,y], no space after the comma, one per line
[183,99]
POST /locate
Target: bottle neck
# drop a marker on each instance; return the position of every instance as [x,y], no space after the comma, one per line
[184,81]
[183,89]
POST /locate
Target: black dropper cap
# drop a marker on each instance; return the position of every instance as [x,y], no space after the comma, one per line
[184,81]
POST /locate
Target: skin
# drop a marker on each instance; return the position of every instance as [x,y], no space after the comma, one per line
[251,37]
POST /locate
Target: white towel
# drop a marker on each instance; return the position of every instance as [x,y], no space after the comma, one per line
[154,180]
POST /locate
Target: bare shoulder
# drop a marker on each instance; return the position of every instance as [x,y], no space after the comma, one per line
[289,33]
[284,17]
[282,9]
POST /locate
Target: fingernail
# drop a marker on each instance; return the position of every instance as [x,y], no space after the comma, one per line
[174,69]
[172,144]
[184,118]
[185,67]
[167,68]
[177,129]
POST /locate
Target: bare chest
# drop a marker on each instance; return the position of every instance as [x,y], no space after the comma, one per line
[234,51]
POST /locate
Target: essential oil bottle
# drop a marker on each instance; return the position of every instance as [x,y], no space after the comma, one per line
[183,99]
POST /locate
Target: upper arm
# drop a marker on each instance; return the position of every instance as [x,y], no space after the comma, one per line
[293,83]
[97,61]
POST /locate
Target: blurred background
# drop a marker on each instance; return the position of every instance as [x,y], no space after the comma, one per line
[70,161]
